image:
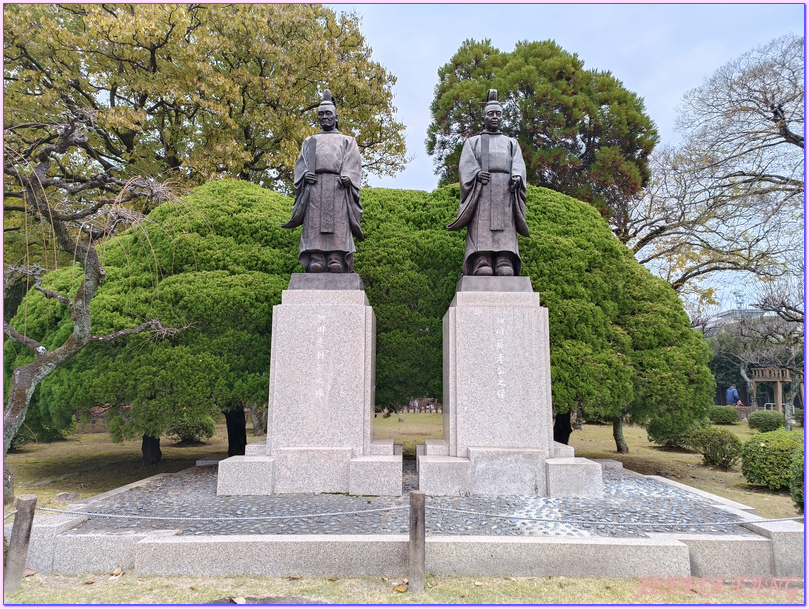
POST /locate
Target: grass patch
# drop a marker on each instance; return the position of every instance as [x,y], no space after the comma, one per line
[645,457]
[89,463]
[146,589]
[417,426]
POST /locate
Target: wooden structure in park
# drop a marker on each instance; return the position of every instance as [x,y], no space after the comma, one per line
[772,375]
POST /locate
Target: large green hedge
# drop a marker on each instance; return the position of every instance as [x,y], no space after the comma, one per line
[217,261]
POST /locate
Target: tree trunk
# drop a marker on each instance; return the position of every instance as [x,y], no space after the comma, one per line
[8,485]
[259,417]
[150,447]
[579,418]
[24,381]
[750,385]
[562,428]
[618,434]
[237,431]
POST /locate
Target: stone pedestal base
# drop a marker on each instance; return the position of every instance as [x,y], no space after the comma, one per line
[498,432]
[574,477]
[321,405]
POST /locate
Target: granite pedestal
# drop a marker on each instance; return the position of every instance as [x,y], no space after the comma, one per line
[321,404]
[498,418]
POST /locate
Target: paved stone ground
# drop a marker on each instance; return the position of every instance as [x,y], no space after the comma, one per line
[630,500]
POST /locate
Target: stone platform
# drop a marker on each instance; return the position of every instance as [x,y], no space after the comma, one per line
[644,526]
[321,400]
[498,416]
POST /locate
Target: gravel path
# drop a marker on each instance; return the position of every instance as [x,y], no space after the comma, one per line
[629,499]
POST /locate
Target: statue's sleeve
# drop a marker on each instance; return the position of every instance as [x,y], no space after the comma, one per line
[518,169]
[352,168]
[301,200]
[468,170]
[301,165]
[469,167]
[352,163]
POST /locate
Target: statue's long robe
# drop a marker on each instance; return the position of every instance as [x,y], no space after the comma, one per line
[492,213]
[329,212]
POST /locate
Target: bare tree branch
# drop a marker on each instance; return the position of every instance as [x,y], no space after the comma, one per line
[156,329]
[21,339]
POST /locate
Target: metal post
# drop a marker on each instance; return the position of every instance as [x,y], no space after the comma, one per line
[18,545]
[415,552]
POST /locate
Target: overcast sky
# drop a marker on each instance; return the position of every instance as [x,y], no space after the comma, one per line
[658,51]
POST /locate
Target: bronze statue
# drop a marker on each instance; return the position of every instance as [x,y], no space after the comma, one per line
[492,176]
[328,176]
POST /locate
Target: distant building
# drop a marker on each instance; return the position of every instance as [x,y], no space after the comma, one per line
[731,316]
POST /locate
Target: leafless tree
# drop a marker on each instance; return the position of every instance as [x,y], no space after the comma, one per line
[80,209]
[730,198]
[785,296]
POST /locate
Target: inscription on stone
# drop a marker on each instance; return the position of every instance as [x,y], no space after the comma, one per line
[499,334]
[320,356]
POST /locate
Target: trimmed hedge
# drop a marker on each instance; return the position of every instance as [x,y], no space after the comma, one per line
[766,457]
[723,415]
[189,431]
[669,438]
[796,488]
[765,420]
[718,447]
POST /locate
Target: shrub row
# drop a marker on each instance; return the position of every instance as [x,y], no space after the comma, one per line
[765,420]
[723,415]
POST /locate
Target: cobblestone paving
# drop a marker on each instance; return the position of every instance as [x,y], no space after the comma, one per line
[640,505]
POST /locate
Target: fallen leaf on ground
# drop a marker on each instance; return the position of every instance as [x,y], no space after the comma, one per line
[118,571]
[478,583]
[332,579]
[192,587]
[238,600]
[385,579]
[89,581]
[294,577]
[400,588]
[405,581]
[28,573]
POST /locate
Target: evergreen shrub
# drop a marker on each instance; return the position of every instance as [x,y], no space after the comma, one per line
[723,415]
[765,420]
[216,264]
[189,431]
[673,437]
[766,457]
[796,483]
[718,447]
[798,416]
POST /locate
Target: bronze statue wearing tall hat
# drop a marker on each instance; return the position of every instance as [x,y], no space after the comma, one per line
[493,192]
[328,177]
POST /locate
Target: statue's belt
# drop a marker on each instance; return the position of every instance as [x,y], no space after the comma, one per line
[327,171]
[499,171]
